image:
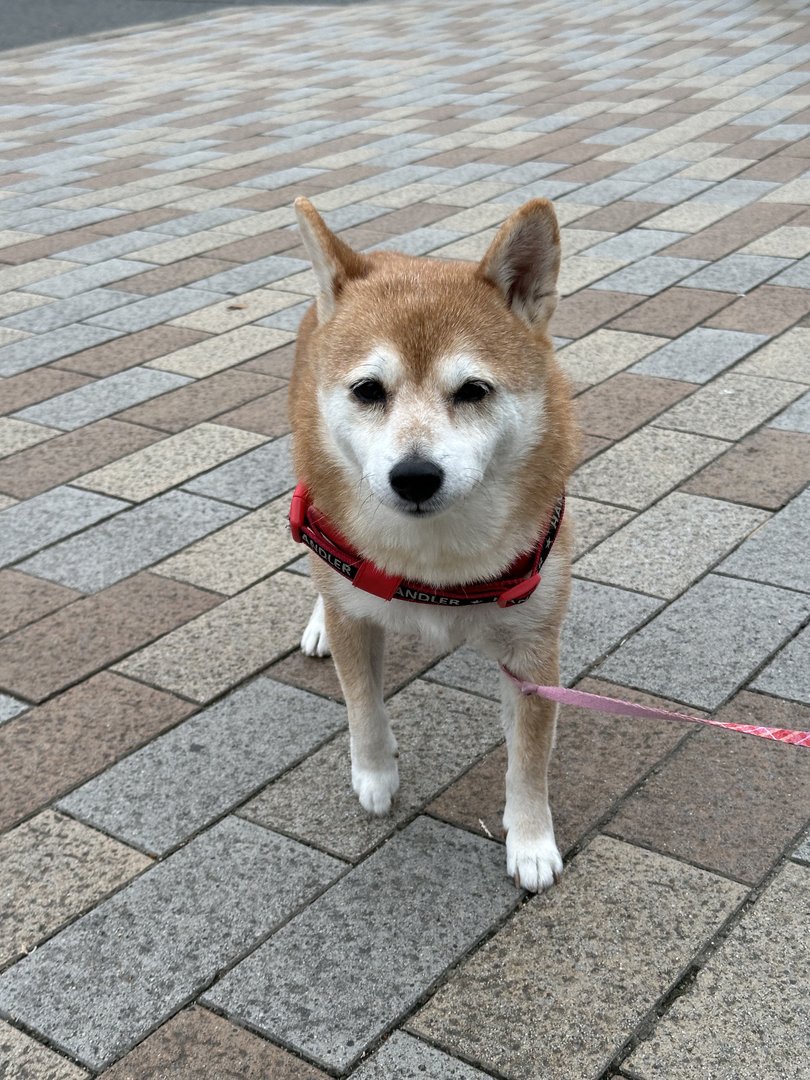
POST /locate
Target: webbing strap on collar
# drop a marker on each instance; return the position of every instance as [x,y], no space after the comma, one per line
[310,527]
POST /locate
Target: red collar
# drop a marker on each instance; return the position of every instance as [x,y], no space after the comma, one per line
[310,527]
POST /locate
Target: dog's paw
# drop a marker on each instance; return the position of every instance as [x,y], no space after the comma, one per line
[314,641]
[375,788]
[532,860]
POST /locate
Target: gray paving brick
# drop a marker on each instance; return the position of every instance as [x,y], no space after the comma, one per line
[728,1015]
[730,406]
[112,247]
[157,309]
[619,136]
[602,193]
[47,317]
[165,792]
[30,525]
[402,1057]
[440,733]
[796,417]
[88,277]
[193,223]
[802,852]
[418,242]
[41,349]
[633,244]
[706,644]
[770,555]
[787,674]
[699,354]
[669,546]
[796,276]
[10,707]
[251,480]
[102,984]
[560,988]
[366,950]
[736,273]
[736,192]
[675,189]
[250,275]
[649,276]
[131,541]
[101,398]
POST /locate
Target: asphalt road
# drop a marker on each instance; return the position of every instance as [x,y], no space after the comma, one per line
[32,22]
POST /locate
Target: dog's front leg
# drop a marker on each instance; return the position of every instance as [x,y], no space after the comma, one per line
[532,858]
[357,649]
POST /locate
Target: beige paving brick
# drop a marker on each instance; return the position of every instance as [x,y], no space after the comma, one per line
[170,462]
[12,277]
[28,1059]
[593,521]
[19,434]
[603,353]
[238,638]
[237,311]
[688,217]
[222,351]
[789,242]
[786,357]
[577,273]
[11,303]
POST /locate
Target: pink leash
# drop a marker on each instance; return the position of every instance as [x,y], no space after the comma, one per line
[618,707]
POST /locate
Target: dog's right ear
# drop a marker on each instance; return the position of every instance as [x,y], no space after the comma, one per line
[333,262]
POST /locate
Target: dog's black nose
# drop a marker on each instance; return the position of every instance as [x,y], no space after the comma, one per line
[416,479]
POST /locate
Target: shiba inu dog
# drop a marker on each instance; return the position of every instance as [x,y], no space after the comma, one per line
[433,438]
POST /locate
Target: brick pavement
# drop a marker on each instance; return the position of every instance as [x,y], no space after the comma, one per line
[187,886]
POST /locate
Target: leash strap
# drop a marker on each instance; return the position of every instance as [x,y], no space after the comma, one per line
[618,707]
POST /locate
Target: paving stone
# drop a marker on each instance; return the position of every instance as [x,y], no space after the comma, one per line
[725,825]
[25,599]
[372,945]
[440,733]
[768,309]
[101,398]
[165,931]
[730,1005]
[593,521]
[253,479]
[268,415]
[618,908]
[180,782]
[736,273]
[252,275]
[131,541]
[786,241]
[650,276]
[30,1060]
[787,357]
[240,637]
[68,455]
[698,355]
[584,311]
[764,469]
[17,435]
[41,349]
[83,637]
[201,400]
[73,310]
[644,466]
[603,353]
[54,869]
[796,417]
[730,406]
[129,350]
[402,1057]
[672,312]
[581,791]
[155,309]
[148,472]
[702,647]
[10,707]
[36,385]
[664,549]
[803,851]
[85,278]
[625,402]
[197,1043]
[238,555]
[40,521]
[216,354]
[227,314]
[786,675]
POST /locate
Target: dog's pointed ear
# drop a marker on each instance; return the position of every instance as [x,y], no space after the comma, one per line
[523,262]
[333,262]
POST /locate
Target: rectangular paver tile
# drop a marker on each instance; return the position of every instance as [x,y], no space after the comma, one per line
[41,349]
[214,354]
[604,353]
[786,675]
[201,400]
[51,748]
[155,309]
[764,469]
[402,1057]
[30,1060]
[729,822]
[769,309]
[147,472]
[731,405]
[18,435]
[220,649]
[268,415]
[166,931]
[73,310]
[36,385]
[593,521]
[699,354]
[706,644]
[33,524]
[625,402]
[181,781]
[372,945]
[53,869]
[82,637]
[131,541]
[672,312]
[25,599]
[618,909]
[251,480]
[731,1004]
[668,546]
[130,350]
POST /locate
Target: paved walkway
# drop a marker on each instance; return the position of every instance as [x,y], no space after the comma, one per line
[187,887]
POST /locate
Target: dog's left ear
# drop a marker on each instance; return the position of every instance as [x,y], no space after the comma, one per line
[333,262]
[523,262]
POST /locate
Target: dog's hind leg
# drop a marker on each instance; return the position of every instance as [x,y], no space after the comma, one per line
[314,640]
[357,649]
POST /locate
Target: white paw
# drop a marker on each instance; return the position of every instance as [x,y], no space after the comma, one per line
[532,859]
[314,641]
[376,787]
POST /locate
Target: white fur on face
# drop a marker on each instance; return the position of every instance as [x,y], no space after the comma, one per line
[480,446]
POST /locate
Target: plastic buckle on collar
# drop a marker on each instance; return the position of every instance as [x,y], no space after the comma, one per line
[298,512]
[520,592]
[375,581]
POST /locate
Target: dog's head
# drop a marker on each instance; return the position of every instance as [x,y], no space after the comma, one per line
[431,378]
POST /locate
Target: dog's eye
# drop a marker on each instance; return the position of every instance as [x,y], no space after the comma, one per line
[369,392]
[471,391]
